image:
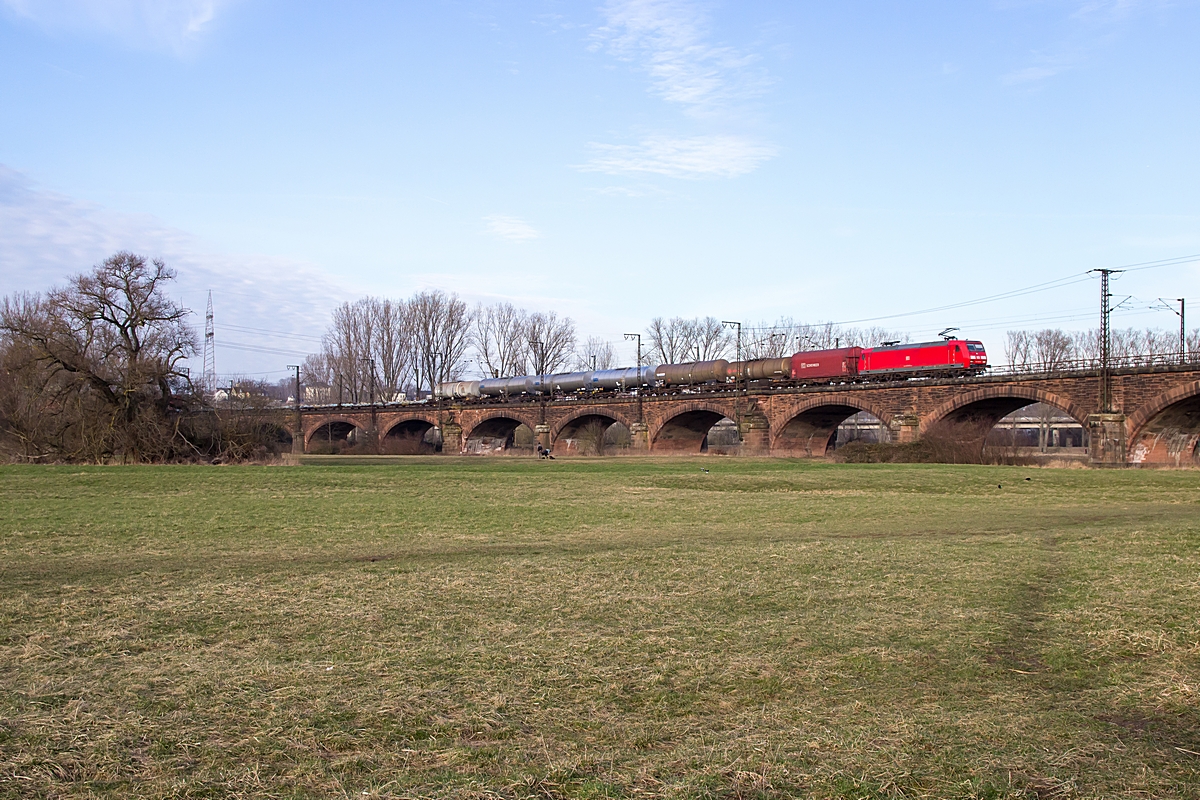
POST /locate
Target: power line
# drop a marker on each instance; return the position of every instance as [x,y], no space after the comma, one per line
[1058,283]
[228,375]
[268,350]
[1166,262]
[282,334]
[1061,283]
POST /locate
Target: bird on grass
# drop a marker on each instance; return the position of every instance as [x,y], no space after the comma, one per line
[702,469]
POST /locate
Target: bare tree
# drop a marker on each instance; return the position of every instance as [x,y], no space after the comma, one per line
[1017,349]
[499,337]
[1051,348]
[710,339]
[1087,346]
[317,370]
[805,336]
[550,342]
[368,348]
[596,353]
[672,340]
[110,345]
[775,340]
[37,403]
[872,336]
[767,342]
[391,345]
[441,336]
[347,349]
[808,336]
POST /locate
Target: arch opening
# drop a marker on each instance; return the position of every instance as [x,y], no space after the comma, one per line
[818,431]
[592,435]
[1038,429]
[497,435]
[618,438]
[412,437]
[699,431]
[1006,429]
[336,437]
[1171,437]
[861,428]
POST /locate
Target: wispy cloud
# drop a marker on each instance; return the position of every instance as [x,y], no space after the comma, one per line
[151,24]
[1088,25]
[513,229]
[1046,67]
[642,190]
[1114,10]
[692,157]
[712,83]
[46,237]
[669,39]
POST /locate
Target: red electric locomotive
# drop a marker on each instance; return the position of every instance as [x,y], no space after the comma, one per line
[949,356]
[927,359]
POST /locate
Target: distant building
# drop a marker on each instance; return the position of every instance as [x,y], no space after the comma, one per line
[1040,425]
[318,395]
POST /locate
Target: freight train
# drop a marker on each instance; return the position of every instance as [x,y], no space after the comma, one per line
[890,361]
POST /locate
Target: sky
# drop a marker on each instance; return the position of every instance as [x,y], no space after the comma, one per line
[613,162]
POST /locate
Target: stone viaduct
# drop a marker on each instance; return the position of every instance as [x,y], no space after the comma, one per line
[1154,415]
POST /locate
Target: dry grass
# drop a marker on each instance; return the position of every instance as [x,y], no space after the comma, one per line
[591,628]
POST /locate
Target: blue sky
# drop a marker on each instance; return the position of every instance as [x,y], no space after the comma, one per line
[612,161]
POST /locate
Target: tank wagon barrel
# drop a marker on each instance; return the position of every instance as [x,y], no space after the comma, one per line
[628,378]
[693,373]
[761,369]
[562,382]
[457,389]
[495,387]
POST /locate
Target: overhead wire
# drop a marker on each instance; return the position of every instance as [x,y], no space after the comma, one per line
[282,334]
[1058,283]
[267,350]
[1035,289]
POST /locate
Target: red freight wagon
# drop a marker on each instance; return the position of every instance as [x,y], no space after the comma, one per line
[928,357]
[826,364]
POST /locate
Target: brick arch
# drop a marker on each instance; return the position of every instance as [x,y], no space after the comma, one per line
[680,409]
[965,399]
[1139,419]
[487,416]
[614,415]
[323,421]
[778,427]
[1144,415]
[430,418]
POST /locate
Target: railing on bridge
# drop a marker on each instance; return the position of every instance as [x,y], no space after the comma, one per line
[1134,361]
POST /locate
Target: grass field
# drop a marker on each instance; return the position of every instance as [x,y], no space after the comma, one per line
[599,628]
